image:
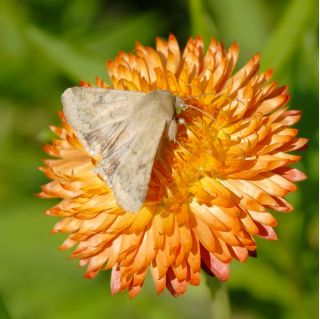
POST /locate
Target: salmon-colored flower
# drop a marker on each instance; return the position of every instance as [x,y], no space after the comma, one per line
[210,191]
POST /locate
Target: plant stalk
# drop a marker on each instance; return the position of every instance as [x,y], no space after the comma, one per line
[220,304]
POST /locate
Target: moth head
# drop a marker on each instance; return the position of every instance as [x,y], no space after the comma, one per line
[180,106]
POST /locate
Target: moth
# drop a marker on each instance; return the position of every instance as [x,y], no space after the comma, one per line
[125,128]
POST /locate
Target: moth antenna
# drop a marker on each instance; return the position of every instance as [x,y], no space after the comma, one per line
[206,94]
[201,111]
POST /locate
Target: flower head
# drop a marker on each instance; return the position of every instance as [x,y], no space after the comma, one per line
[210,191]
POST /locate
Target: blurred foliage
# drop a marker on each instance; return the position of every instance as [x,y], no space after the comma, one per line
[48,45]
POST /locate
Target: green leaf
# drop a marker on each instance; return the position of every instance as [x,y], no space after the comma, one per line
[4,314]
[308,63]
[12,44]
[243,21]
[201,22]
[262,281]
[78,15]
[67,58]
[287,36]
[140,28]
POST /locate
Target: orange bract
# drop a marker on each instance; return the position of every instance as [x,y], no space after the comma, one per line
[209,193]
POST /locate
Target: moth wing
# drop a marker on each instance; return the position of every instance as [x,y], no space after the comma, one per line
[127,169]
[98,116]
[126,128]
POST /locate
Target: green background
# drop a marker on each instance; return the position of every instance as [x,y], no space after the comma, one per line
[49,45]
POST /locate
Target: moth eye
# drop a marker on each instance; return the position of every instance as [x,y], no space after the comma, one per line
[179,109]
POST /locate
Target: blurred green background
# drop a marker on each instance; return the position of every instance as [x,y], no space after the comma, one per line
[49,45]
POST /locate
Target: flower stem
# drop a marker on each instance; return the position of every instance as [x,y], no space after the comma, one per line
[220,305]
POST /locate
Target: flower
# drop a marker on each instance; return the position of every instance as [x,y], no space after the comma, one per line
[210,192]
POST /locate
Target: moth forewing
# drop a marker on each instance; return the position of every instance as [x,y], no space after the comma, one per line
[95,112]
[125,128]
[131,177]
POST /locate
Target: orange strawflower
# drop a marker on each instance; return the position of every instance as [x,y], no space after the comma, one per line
[210,192]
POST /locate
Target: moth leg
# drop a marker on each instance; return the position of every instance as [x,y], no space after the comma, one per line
[182,121]
[172,130]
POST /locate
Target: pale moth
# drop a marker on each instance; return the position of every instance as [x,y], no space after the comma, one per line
[125,128]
